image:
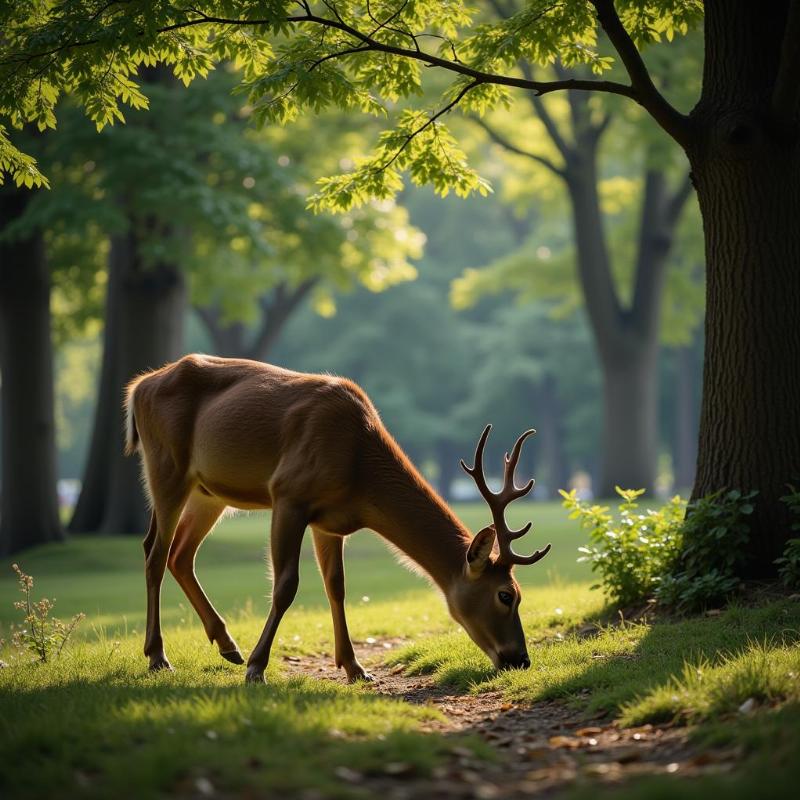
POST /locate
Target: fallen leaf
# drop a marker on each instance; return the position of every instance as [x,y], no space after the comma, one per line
[567,742]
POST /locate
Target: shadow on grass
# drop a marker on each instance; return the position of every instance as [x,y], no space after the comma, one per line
[128,735]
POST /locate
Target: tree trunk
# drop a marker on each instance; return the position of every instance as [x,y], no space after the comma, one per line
[626,340]
[746,167]
[749,420]
[29,504]
[144,329]
[551,437]
[448,468]
[684,446]
[89,510]
[630,422]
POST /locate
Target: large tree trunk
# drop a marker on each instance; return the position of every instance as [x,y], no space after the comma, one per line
[146,304]
[29,505]
[746,166]
[88,513]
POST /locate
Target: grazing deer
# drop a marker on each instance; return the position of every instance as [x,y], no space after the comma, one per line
[218,432]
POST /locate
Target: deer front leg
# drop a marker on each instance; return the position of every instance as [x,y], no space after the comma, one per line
[288,526]
[330,557]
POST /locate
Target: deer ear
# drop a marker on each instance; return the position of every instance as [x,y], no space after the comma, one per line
[480,549]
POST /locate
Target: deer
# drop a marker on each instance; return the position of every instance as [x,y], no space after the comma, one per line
[214,433]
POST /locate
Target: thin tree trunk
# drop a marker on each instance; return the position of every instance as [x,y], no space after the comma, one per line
[29,504]
[551,436]
[630,423]
[448,468]
[684,448]
[745,161]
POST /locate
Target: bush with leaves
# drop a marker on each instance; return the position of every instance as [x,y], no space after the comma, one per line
[43,636]
[630,550]
[789,563]
[714,538]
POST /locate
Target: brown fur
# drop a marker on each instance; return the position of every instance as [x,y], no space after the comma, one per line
[215,432]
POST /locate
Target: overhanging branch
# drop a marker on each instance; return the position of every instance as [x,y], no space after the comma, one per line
[644,90]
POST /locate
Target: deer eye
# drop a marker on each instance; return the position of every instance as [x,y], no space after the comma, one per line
[506,598]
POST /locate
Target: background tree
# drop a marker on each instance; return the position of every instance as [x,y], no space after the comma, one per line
[29,504]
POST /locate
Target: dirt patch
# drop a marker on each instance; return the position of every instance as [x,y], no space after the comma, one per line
[539,750]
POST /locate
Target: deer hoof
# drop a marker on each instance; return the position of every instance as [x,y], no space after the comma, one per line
[159,663]
[254,675]
[234,656]
[361,675]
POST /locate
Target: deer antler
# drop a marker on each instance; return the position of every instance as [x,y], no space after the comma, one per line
[498,502]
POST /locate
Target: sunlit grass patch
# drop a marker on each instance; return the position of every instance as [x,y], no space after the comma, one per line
[763,673]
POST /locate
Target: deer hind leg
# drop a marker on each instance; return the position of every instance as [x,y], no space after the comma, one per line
[198,518]
[289,522]
[168,500]
[330,557]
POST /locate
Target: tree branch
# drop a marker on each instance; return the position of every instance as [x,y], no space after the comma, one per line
[660,214]
[786,94]
[210,318]
[276,309]
[644,90]
[677,202]
[501,140]
[544,115]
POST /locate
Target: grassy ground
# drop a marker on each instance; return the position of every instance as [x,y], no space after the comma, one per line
[96,724]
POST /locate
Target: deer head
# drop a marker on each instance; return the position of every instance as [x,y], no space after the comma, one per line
[486,599]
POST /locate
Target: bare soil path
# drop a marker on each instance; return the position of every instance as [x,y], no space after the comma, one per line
[539,750]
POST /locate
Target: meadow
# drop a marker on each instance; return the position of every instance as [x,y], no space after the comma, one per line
[95,723]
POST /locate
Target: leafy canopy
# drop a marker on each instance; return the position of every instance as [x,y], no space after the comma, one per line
[296,56]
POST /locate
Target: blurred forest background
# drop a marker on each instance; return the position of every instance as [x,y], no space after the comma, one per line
[187,229]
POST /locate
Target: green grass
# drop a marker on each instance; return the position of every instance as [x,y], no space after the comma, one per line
[94,723]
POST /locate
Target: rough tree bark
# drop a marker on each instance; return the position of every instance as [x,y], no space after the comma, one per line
[29,504]
[144,329]
[743,144]
[235,340]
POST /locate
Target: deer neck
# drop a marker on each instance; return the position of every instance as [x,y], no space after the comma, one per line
[406,511]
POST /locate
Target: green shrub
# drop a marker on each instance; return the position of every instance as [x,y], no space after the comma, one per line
[631,551]
[712,550]
[789,564]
